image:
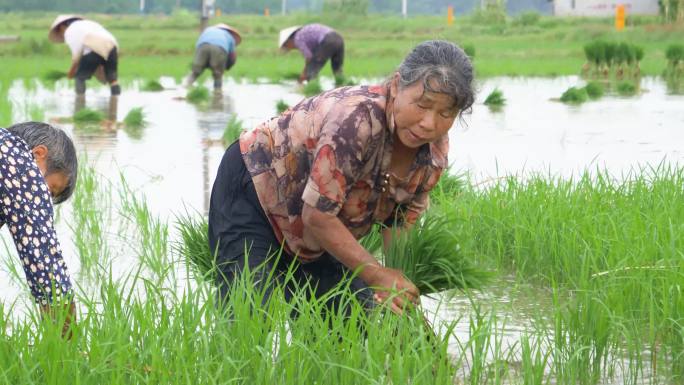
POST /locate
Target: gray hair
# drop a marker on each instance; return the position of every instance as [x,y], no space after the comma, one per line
[443,68]
[61,156]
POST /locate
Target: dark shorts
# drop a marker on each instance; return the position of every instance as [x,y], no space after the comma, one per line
[237,222]
[331,47]
[89,63]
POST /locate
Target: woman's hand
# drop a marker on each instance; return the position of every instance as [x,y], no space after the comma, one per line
[55,313]
[391,285]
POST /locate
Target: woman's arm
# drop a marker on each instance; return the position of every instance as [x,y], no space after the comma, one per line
[336,239]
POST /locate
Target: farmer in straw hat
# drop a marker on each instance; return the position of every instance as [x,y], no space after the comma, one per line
[317,43]
[93,51]
[215,49]
[38,168]
[316,178]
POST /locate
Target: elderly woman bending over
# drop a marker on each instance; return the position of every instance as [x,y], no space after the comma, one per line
[38,168]
[316,178]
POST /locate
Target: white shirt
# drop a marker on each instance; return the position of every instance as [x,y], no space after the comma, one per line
[76,32]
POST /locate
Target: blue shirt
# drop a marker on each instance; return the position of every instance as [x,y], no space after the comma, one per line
[26,208]
[218,37]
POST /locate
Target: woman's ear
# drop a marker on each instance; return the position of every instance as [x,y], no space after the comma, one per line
[394,84]
[40,153]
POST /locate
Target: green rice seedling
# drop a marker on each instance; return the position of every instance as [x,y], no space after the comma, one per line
[194,244]
[429,255]
[495,99]
[198,95]
[448,188]
[675,60]
[135,117]
[594,90]
[90,216]
[54,75]
[281,106]
[134,122]
[626,88]
[610,50]
[232,131]
[341,81]
[312,87]
[373,240]
[574,95]
[151,232]
[291,76]
[88,116]
[152,85]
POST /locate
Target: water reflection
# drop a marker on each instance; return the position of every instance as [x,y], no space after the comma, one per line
[211,123]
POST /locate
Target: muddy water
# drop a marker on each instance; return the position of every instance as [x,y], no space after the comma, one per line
[174,158]
[531,133]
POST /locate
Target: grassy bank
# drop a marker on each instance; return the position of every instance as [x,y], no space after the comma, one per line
[163,45]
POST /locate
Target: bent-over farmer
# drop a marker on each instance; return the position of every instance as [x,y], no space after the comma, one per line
[316,178]
[317,43]
[38,168]
[215,49]
[93,51]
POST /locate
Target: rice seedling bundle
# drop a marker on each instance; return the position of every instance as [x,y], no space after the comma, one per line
[429,255]
[232,131]
[495,99]
[675,60]
[135,117]
[153,86]
[194,244]
[86,115]
[312,87]
[341,81]
[281,106]
[626,88]
[54,75]
[594,90]
[574,95]
[198,95]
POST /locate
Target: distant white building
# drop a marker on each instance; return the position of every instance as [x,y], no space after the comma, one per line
[603,7]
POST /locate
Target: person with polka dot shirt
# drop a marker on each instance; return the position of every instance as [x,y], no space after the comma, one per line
[38,168]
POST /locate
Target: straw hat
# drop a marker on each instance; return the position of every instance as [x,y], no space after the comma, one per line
[286,33]
[52,35]
[233,31]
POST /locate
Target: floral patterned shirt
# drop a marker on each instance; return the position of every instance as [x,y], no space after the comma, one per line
[333,152]
[27,210]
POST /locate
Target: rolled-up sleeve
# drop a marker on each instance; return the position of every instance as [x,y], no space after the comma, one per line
[338,160]
[27,210]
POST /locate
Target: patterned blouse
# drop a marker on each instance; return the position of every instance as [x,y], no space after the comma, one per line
[27,210]
[307,38]
[333,152]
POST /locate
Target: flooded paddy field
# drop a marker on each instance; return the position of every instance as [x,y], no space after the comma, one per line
[589,272]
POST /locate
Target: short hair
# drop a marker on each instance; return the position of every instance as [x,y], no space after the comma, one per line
[442,67]
[61,155]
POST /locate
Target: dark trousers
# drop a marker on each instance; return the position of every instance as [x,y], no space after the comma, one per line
[331,47]
[89,63]
[212,57]
[238,223]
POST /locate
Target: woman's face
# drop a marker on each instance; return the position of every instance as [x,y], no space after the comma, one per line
[421,117]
